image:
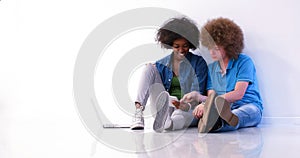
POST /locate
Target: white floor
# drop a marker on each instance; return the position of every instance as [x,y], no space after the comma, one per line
[273,138]
[35,138]
[267,140]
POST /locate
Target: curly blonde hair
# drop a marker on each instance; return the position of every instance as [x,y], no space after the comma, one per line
[225,33]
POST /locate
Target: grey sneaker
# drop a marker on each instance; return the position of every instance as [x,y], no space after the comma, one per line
[138,120]
[224,111]
[162,104]
[210,115]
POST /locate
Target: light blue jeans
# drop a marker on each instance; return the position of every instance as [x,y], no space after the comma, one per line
[150,87]
[249,116]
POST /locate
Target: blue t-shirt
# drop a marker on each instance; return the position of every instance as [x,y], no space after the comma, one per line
[241,69]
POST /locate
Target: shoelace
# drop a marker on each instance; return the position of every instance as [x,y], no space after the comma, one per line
[138,114]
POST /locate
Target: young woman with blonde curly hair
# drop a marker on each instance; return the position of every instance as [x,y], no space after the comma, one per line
[234,99]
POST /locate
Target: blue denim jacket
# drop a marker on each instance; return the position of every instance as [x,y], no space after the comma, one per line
[192,73]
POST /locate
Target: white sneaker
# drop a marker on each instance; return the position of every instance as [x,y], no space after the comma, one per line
[168,123]
[138,120]
[162,104]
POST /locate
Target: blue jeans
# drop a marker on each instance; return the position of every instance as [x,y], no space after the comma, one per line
[249,116]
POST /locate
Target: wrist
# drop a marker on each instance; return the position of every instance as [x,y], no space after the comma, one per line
[202,98]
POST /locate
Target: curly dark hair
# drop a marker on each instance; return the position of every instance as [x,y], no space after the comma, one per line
[177,28]
[225,33]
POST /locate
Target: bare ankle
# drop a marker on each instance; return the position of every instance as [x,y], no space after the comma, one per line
[137,105]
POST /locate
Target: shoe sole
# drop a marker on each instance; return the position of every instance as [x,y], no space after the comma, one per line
[161,115]
[137,127]
[224,110]
[210,115]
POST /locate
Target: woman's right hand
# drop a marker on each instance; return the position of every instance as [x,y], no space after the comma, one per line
[198,111]
[190,97]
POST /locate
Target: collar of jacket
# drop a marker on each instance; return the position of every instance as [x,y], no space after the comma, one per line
[171,56]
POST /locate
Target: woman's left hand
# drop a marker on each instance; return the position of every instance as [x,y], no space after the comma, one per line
[198,111]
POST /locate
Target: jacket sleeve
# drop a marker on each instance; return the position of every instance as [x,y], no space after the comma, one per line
[201,71]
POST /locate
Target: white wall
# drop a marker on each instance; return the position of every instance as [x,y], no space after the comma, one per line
[39,42]
[271,39]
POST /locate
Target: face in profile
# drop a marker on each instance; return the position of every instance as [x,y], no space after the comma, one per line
[217,53]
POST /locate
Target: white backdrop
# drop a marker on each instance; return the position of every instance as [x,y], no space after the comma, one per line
[39,42]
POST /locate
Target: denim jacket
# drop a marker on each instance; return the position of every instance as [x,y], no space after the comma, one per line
[192,73]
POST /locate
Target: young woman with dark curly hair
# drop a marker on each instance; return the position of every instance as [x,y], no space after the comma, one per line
[177,74]
[234,99]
